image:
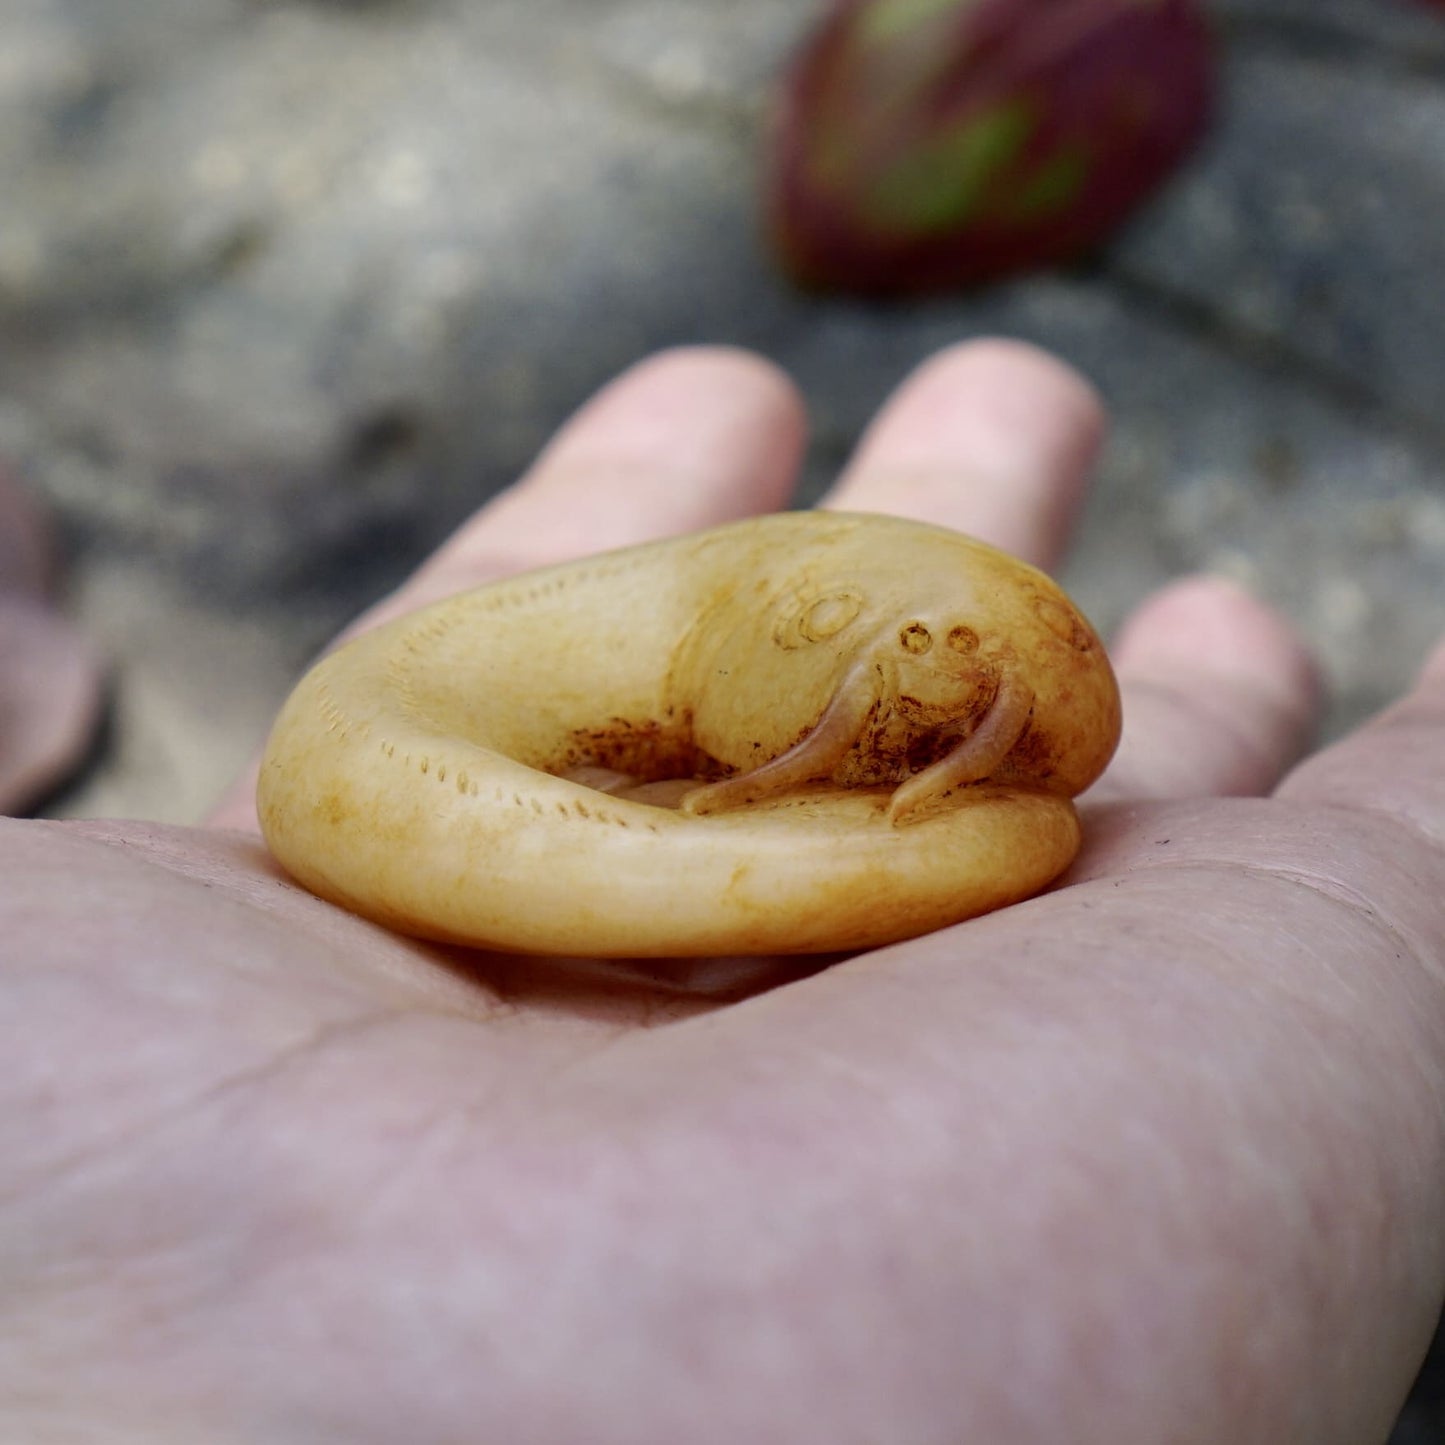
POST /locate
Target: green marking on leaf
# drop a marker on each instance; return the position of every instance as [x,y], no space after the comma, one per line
[885,21]
[936,186]
[1053,186]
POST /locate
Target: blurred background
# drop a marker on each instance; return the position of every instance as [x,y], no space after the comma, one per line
[288,289]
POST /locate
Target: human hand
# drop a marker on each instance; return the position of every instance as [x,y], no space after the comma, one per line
[1155,1157]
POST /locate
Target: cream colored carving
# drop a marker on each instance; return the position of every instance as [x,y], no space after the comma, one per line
[798,733]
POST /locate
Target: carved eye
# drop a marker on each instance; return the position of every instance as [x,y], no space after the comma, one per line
[915,638]
[828,616]
[815,619]
[963,640]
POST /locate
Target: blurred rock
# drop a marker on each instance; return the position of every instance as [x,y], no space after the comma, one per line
[1320,236]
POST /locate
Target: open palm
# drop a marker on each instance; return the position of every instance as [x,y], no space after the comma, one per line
[1152,1158]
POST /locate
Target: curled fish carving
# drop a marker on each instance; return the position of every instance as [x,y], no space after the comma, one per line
[806,732]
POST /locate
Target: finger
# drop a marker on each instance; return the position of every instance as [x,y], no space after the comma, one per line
[994,438]
[1394,765]
[684,440]
[27,552]
[51,699]
[687,439]
[1220,696]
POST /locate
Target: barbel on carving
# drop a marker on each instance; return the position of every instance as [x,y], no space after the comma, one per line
[797,733]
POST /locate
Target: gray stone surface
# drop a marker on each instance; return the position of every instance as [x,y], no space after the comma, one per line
[286,289]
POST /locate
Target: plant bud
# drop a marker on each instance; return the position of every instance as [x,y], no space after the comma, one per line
[930,144]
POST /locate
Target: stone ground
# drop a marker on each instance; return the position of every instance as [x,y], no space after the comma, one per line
[286,289]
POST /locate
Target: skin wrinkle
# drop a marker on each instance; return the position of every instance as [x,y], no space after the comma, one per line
[1398,1030]
[566,1067]
[1330,886]
[449,1132]
[1292,880]
[236,865]
[63,1170]
[285,1191]
[446,1132]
